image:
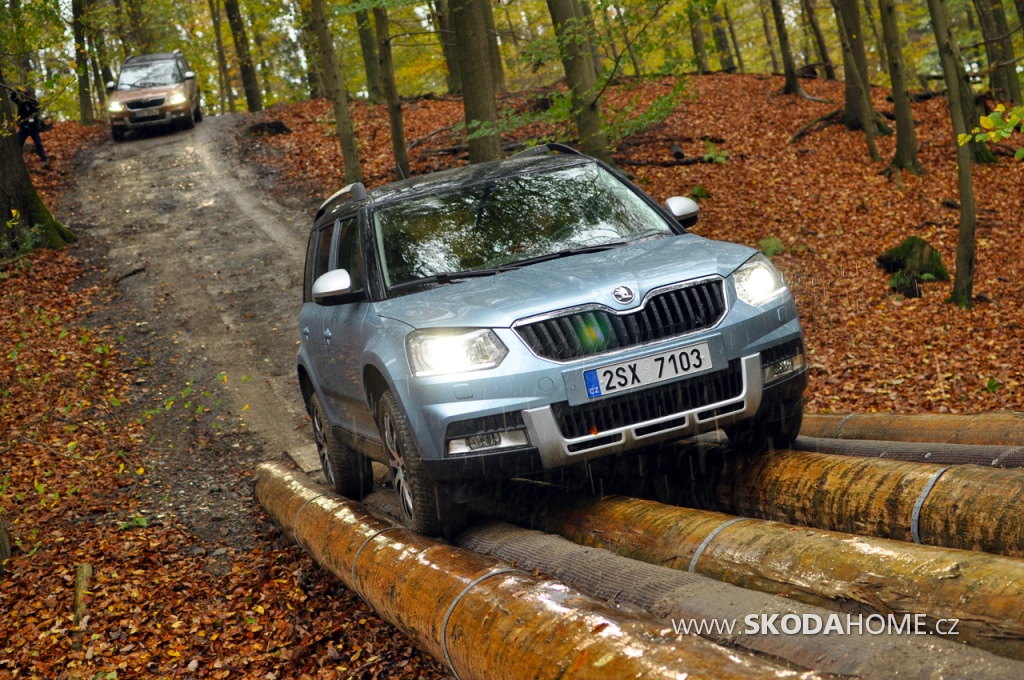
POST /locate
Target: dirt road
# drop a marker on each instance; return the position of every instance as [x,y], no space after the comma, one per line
[211,264]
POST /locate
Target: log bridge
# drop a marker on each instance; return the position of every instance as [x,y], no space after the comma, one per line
[916,521]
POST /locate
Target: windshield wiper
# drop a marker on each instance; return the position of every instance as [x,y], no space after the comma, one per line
[515,264]
[447,277]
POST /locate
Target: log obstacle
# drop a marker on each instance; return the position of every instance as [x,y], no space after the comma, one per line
[484,618]
[682,596]
[917,452]
[964,506]
[846,573]
[1005,428]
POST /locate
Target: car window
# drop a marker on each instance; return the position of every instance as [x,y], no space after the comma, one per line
[148,74]
[318,254]
[350,251]
[514,218]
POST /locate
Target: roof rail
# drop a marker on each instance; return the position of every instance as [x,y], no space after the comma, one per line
[542,149]
[353,192]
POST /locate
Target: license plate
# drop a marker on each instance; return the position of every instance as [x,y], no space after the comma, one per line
[647,370]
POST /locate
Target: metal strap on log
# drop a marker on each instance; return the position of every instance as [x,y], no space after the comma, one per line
[838,571]
[412,581]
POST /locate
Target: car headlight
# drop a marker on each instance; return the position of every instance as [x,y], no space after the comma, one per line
[758,281]
[177,98]
[442,351]
[115,107]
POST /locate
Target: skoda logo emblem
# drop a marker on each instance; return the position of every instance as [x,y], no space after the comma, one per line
[623,295]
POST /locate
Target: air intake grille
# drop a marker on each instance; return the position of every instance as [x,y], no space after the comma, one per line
[580,334]
[655,402]
[137,104]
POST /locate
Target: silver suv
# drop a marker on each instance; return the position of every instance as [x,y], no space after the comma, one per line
[513,317]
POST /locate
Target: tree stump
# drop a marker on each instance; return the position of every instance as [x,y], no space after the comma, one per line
[911,263]
[5,547]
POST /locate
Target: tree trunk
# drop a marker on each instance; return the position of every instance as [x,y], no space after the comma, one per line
[856,86]
[141,37]
[906,136]
[819,39]
[493,48]
[368,42]
[869,16]
[250,83]
[261,58]
[579,72]
[1004,82]
[473,54]
[792,85]
[949,53]
[1009,56]
[20,205]
[227,92]
[855,66]
[387,75]
[700,52]
[767,23]
[732,34]
[5,547]
[446,36]
[593,39]
[721,35]
[626,40]
[307,38]
[81,63]
[334,74]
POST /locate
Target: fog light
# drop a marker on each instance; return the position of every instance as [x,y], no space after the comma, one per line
[487,442]
[786,367]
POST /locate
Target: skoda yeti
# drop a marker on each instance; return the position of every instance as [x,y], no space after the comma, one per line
[517,316]
[153,89]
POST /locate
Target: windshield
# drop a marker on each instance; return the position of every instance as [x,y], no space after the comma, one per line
[149,74]
[487,225]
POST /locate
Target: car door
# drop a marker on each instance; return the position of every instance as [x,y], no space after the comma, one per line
[347,324]
[311,321]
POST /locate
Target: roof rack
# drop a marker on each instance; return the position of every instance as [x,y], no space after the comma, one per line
[353,192]
[542,149]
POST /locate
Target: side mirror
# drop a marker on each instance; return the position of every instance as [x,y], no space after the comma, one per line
[685,210]
[336,282]
[189,75]
[111,85]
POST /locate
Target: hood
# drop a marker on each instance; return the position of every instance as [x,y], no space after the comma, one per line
[498,301]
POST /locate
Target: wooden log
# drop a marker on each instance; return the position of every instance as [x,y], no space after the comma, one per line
[964,506]
[82,575]
[483,619]
[1003,428]
[853,574]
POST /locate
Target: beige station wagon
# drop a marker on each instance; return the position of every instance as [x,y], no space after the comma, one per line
[153,89]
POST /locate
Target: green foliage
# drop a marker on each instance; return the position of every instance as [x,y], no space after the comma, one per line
[992,386]
[771,246]
[994,127]
[712,154]
[903,256]
[699,192]
[635,117]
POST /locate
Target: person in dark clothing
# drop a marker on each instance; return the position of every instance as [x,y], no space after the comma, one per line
[28,121]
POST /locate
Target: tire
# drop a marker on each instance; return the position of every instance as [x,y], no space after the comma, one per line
[189,121]
[350,473]
[117,134]
[776,428]
[425,506]
[197,115]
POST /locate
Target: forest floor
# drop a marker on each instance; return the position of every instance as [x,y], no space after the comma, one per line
[147,369]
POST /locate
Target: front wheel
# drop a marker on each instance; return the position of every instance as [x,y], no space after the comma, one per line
[347,472]
[426,507]
[117,134]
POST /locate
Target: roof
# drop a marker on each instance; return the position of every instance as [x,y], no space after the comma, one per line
[155,56]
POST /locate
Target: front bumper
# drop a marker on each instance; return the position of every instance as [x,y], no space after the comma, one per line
[140,118]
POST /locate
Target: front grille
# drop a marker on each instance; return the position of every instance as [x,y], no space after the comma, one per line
[137,104]
[665,315]
[655,402]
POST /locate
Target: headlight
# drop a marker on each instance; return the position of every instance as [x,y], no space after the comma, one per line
[115,107]
[758,281]
[442,351]
[177,98]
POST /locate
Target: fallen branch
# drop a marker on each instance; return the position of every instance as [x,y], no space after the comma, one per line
[133,272]
[820,119]
[664,164]
[431,134]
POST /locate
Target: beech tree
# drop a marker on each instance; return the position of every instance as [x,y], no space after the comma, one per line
[250,83]
[906,137]
[474,57]
[372,62]
[25,221]
[387,76]
[335,76]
